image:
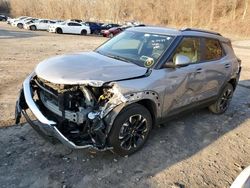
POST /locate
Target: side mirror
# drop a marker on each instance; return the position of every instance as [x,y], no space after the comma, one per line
[182,60]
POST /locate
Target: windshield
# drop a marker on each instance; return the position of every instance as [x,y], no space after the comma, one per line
[143,49]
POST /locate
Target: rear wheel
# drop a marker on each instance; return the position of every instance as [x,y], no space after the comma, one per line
[130,129]
[59,31]
[96,32]
[83,32]
[222,103]
[20,26]
[33,27]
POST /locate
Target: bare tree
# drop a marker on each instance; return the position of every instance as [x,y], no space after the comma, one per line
[192,12]
[234,9]
[245,10]
[212,11]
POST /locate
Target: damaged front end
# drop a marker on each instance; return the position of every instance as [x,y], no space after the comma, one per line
[73,114]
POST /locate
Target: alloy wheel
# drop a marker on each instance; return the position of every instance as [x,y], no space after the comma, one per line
[133,132]
[225,99]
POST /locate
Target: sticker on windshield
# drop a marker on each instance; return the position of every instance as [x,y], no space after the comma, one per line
[148,61]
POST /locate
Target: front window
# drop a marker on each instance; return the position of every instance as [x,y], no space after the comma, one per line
[143,49]
[189,47]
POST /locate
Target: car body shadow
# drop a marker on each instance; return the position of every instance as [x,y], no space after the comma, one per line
[33,161]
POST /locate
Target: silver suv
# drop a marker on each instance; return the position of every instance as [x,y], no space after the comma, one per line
[111,98]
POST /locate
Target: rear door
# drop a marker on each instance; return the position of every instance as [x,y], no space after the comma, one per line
[216,66]
[42,24]
[74,28]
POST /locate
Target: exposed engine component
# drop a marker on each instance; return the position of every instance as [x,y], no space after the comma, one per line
[72,103]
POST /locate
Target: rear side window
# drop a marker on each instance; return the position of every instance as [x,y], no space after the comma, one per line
[213,50]
[74,24]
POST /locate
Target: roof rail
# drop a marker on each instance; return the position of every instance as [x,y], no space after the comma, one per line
[201,30]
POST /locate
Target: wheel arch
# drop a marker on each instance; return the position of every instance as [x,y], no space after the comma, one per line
[85,30]
[32,25]
[149,104]
[151,107]
[58,29]
[233,81]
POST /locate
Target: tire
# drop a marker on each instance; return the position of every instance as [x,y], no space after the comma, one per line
[222,103]
[83,32]
[20,26]
[59,31]
[126,137]
[96,32]
[33,27]
[111,35]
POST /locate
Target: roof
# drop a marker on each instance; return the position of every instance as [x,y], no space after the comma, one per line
[182,32]
[156,30]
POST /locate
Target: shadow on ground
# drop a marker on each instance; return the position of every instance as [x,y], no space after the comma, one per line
[26,160]
[10,34]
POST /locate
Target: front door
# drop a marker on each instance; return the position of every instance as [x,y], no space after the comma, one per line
[185,85]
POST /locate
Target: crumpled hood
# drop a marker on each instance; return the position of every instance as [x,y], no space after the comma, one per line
[86,68]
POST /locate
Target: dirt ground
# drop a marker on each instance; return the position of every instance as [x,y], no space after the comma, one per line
[197,150]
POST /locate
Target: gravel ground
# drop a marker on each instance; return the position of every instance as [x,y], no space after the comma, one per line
[196,150]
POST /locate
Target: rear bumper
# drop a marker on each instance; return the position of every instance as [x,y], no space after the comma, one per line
[44,125]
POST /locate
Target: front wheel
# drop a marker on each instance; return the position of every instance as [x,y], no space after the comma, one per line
[96,32]
[130,129]
[59,31]
[20,26]
[111,35]
[83,32]
[33,28]
[222,103]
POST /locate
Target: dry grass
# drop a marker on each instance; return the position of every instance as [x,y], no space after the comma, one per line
[4,6]
[231,16]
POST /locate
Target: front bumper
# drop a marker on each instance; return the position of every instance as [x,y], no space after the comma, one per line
[43,125]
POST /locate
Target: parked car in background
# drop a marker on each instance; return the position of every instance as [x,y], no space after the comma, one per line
[69,28]
[112,31]
[95,27]
[116,30]
[20,23]
[74,20]
[11,20]
[27,23]
[3,18]
[108,26]
[42,24]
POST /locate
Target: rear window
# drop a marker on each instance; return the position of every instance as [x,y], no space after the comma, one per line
[213,50]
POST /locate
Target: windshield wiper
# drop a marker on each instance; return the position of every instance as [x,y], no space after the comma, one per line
[115,56]
[118,58]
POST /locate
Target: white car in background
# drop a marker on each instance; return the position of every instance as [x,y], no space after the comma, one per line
[42,24]
[27,23]
[70,28]
[20,23]
[11,20]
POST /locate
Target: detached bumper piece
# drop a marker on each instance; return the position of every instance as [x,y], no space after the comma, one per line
[45,127]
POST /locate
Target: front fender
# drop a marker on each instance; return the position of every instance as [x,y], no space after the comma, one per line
[138,97]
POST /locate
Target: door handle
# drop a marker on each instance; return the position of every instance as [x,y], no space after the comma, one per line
[199,70]
[227,65]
